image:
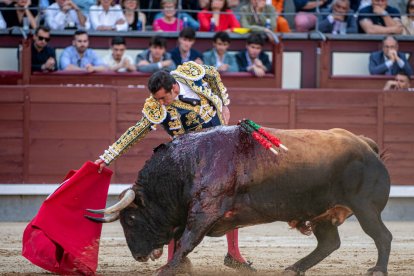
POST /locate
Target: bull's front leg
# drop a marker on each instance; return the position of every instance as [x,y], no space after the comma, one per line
[197,226]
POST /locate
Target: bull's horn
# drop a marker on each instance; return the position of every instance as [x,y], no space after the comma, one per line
[128,197]
[108,218]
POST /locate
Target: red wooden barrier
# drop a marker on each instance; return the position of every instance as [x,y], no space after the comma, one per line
[47,130]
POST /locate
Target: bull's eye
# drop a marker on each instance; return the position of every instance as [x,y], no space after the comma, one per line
[131,220]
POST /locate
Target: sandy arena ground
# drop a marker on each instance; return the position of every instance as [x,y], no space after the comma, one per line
[271,247]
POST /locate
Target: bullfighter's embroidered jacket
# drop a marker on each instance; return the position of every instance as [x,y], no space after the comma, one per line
[181,116]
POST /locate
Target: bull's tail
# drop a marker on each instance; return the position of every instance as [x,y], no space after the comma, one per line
[384,155]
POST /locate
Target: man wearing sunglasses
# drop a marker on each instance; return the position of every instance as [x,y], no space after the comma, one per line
[43,56]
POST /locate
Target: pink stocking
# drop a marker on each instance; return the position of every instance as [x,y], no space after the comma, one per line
[233,245]
[171,249]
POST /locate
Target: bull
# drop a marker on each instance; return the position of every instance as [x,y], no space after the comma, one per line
[209,182]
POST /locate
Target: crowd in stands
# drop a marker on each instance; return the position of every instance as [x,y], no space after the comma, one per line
[261,18]
[80,57]
[327,16]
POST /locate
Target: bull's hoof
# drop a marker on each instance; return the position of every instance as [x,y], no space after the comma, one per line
[376,271]
[164,271]
[229,261]
[291,271]
[184,268]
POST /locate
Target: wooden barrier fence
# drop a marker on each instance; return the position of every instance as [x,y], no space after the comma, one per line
[47,130]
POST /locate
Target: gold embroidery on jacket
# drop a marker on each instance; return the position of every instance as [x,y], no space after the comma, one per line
[192,119]
[175,124]
[189,70]
[154,111]
[127,140]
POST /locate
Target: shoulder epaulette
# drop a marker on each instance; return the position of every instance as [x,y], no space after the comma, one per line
[190,70]
[154,111]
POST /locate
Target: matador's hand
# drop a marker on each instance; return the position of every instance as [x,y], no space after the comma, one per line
[101,164]
[226,114]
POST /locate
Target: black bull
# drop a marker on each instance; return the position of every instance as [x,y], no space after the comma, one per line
[207,183]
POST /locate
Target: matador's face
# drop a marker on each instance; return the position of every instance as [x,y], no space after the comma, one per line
[165,97]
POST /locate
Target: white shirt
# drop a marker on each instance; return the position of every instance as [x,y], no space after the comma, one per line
[219,62]
[110,62]
[99,17]
[389,62]
[56,19]
[3,24]
[186,92]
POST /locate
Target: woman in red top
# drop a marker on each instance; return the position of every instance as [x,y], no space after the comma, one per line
[222,17]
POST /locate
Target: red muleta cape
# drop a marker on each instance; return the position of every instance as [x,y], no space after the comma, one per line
[59,238]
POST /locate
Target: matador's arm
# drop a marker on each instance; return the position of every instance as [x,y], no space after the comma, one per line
[127,140]
[154,113]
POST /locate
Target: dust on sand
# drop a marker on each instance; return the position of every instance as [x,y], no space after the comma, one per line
[271,247]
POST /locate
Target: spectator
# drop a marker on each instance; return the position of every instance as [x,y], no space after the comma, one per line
[3,24]
[218,56]
[408,19]
[79,57]
[156,57]
[184,51]
[338,19]
[401,82]
[169,22]
[187,19]
[259,17]
[217,17]
[388,61]
[282,25]
[15,13]
[65,14]
[305,19]
[117,60]
[136,20]
[107,16]
[43,56]
[379,18]
[253,59]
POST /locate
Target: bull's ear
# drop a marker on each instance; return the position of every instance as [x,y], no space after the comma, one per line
[140,199]
[139,195]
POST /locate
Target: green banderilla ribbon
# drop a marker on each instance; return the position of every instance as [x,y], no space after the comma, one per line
[275,141]
[258,137]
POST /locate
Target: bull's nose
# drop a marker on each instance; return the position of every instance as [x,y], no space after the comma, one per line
[157,253]
[141,258]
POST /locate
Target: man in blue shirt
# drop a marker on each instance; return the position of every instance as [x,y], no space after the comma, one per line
[253,59]
[184,51]
[219,57]
[79,57]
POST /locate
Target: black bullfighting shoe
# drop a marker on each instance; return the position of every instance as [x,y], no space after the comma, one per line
[233,263]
